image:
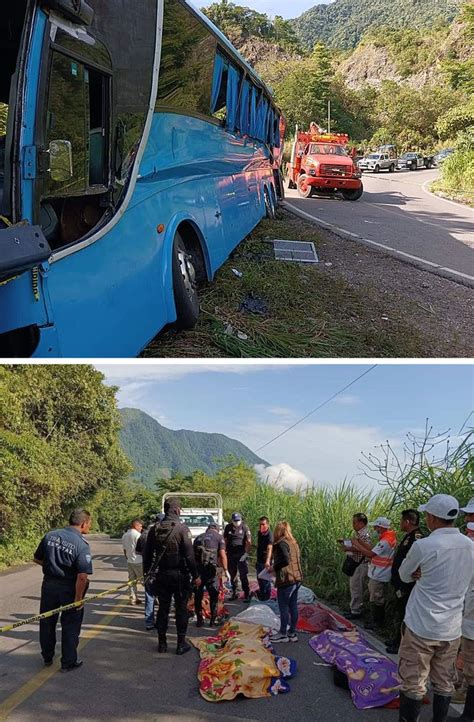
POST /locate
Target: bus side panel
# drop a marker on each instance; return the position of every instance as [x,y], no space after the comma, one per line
[209,168]
[107,299]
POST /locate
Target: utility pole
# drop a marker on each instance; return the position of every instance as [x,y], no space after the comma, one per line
[329,116]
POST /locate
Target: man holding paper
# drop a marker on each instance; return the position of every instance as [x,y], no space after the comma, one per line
[358,579]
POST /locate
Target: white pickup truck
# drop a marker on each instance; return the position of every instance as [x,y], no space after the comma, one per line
[198,517]
[377,162]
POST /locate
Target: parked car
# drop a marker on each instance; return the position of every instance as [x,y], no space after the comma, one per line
[377,162]
[440,157]
[413,161]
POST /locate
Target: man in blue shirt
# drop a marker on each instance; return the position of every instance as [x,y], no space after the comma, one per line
[65,557]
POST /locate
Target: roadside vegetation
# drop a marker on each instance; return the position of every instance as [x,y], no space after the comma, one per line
[60,449]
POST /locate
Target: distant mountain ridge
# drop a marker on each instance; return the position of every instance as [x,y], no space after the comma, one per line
[156,451]
[343,22]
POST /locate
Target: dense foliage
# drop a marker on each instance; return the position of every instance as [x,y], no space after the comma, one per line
[344,22]
[157,451]
[59,445]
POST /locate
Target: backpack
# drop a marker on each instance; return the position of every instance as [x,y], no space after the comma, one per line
[206,557]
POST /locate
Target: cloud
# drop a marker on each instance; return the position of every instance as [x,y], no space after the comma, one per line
[347,400]
[130,375]
[280,411]
[283,475]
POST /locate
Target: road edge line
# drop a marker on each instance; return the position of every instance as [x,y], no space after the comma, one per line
[421,263]
[440,198]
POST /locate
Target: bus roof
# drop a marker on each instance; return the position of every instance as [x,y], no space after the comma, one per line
[233,52]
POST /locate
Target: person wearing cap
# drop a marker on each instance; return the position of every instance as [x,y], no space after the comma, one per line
[209,550]
[380,567]
[237,545]
[442,565]
[468,511]
[467,647]
[410,524]
[169,550]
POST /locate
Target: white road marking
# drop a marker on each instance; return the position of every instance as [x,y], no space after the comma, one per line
[385,247]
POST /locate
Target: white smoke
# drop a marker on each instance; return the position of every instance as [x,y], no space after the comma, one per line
[283,476]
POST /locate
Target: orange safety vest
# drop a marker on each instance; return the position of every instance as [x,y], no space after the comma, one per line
[390,537]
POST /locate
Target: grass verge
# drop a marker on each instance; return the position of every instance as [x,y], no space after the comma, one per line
[311,310]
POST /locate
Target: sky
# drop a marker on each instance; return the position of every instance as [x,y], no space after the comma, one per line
[273,7]
[255,402]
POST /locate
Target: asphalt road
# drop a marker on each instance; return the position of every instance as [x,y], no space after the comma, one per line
[123,677]
[397,211]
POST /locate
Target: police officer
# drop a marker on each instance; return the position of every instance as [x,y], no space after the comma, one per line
[169,549]
[65,557]
[410,524]
[209,549]
[237,545]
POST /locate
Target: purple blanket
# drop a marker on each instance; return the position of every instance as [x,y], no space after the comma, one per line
[373,678]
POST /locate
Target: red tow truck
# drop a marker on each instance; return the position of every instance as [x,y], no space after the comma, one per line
[320,162]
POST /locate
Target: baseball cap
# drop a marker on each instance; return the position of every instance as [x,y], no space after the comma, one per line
[443,506]
[381,521]
[470,525]
[236,516]
[213,525]
[469,508]
[172,505]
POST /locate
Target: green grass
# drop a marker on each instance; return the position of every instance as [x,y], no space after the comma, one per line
[312,311]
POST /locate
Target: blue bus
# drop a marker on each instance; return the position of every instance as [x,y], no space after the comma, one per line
[139,148]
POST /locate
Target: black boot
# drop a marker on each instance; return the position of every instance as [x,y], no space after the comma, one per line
[183,645]
[468,712]
[162,645]
[440,708]
[409,709]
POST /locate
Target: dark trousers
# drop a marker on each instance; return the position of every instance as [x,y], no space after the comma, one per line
[173,584]
[400,609]
[55,594]
[264,586]
[288,606]
[235,565]
[210,584]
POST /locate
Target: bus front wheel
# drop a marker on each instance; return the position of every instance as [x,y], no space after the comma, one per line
[184,286]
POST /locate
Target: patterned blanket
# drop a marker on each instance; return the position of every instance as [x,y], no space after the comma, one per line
[373,679]
[240,660]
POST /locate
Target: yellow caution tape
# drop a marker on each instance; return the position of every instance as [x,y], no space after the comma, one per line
[73,605]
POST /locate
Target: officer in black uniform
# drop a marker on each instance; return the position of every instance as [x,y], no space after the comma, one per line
[169,547]
[410,524]
[65,557]
[209,549]
[237,545]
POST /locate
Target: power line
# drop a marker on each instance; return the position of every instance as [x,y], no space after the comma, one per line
[313,411]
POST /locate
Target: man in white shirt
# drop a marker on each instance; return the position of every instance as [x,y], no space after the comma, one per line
[443,565]
[134,560]
[467,642]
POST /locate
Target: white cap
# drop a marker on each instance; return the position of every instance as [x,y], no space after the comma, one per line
[469,508]
[381,521]
[470,525]
[442,505]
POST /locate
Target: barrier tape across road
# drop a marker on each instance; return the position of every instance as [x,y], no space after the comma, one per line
[73,605]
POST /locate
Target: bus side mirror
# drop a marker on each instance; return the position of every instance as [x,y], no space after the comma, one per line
[60,160]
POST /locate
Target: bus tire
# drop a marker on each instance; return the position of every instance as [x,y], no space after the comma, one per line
[269,204]
[304,190]
[352,194]
[184,286]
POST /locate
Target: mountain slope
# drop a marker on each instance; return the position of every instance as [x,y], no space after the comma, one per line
[155,450]
[343,23]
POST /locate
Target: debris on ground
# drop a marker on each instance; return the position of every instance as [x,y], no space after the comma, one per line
[237,273]
[299,251]
[253,304]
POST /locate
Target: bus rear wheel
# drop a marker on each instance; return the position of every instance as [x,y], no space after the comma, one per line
[270,211]
[304,190]
[184,286]
[352,194]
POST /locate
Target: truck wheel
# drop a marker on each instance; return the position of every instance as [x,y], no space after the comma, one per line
[352,194]
[304,190]
[392,168]
[377,169]
[184,286]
